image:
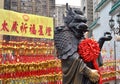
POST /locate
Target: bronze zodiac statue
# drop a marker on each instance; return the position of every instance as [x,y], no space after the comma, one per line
[67,38]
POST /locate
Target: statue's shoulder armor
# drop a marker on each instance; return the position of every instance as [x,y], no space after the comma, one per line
[65,43]
[59,29]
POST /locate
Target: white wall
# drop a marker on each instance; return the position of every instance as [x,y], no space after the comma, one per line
[104,22]
[102,28]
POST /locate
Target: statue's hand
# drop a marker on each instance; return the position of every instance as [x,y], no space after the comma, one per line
[94,75]
[107,36]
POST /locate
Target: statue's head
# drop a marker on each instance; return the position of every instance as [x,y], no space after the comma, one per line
[75,21]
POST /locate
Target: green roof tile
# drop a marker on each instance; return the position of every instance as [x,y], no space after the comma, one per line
[100,4]
[94,23]
[115,6]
